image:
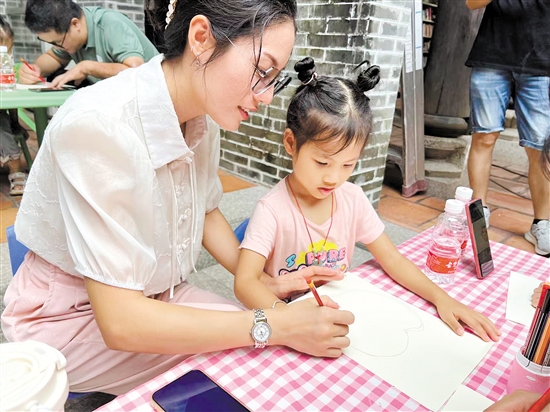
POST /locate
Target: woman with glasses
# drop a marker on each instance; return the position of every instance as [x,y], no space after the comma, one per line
[124,192]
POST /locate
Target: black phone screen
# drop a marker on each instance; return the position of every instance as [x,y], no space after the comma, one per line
[195,391]
[480,239]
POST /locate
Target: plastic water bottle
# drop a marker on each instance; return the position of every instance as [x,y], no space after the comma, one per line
[464,195]
[7,74]
[445,247]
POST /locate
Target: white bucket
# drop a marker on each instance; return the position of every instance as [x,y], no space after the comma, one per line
[32,377]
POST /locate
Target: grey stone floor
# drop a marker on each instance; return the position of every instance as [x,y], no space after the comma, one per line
[236,206]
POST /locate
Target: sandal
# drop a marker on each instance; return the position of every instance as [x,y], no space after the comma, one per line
[17,183]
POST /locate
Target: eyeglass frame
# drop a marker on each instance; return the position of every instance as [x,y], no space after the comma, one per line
[54,43]
[278,83]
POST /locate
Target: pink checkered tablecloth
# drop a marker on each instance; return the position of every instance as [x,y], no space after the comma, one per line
[280,379]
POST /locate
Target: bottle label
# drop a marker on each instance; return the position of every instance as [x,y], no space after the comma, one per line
[7,78]
[443,265]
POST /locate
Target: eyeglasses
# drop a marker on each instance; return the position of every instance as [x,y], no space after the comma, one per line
[53,43]
[266,78]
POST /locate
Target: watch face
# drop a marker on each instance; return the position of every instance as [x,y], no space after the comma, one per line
[261,332]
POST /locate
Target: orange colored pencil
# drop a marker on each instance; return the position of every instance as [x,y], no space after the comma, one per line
[544,341]
[539,405]
[314,291]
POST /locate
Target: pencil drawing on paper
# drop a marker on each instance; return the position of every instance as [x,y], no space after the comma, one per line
[383,325]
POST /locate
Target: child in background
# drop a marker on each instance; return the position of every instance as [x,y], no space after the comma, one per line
[10,152]
[315,217]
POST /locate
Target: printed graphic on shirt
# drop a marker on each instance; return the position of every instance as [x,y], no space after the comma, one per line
[330,256]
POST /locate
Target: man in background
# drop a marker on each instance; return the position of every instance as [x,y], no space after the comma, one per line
[101,42]
[511,55]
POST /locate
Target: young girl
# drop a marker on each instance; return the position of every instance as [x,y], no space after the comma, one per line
[125,191]
[315,217]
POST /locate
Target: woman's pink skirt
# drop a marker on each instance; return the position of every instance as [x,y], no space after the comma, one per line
[46,304]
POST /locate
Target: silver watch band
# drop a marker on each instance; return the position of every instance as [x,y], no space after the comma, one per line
[260,327]
[259,316]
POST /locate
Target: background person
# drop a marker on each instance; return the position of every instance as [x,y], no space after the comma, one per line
[511,54]
[10,152]
[101,42]
[125,191]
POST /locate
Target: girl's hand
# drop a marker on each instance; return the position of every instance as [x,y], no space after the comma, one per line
[286,285]
[453,312]
[312,329]
[536,295]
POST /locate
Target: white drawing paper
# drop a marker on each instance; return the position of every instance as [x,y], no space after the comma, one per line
[466,400]
[518,302]
[406,346]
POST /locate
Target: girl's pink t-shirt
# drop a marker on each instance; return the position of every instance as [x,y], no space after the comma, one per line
[277,231]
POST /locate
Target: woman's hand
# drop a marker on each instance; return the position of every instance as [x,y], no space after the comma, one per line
[312,329]
[294,282]
[453,313]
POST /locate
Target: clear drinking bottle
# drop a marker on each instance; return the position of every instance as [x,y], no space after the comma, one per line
[7,73]
[445,246]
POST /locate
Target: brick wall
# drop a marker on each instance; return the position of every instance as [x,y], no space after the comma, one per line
[338,35]
[28,47]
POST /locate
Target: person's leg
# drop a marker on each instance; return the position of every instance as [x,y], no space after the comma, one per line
[490,91]
[539,186]
[479,163]
[532,103]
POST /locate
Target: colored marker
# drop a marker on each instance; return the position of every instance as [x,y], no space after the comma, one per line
[540,352]
[530,335]
[539,325]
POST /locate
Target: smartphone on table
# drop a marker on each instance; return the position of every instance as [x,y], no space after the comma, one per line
[479,237]
[195,391]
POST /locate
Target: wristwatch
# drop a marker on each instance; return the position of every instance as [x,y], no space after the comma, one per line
[261,331]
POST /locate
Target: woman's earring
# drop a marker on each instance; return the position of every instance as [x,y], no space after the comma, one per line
[197,62]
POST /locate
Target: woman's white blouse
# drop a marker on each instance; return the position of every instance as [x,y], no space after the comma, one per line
[116,194]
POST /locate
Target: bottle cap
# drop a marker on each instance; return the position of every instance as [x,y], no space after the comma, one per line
[463,193]
[454,207]
[3,49]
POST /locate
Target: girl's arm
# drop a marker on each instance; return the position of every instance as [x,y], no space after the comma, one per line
[131,322]
[248,287]
[404,272]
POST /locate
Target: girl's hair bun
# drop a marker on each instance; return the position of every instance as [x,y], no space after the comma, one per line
[369,77]
[306,70]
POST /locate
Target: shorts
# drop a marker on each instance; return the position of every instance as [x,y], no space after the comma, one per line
[490,91]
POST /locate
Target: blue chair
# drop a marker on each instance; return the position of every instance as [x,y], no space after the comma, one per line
[241,229]
[16,250]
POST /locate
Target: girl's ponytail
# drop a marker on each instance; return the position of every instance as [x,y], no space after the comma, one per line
[306,71]
[369,77]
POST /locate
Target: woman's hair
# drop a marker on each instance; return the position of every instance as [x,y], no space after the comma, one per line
[45,15]
[229,20]
[6,32]
[326,108]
